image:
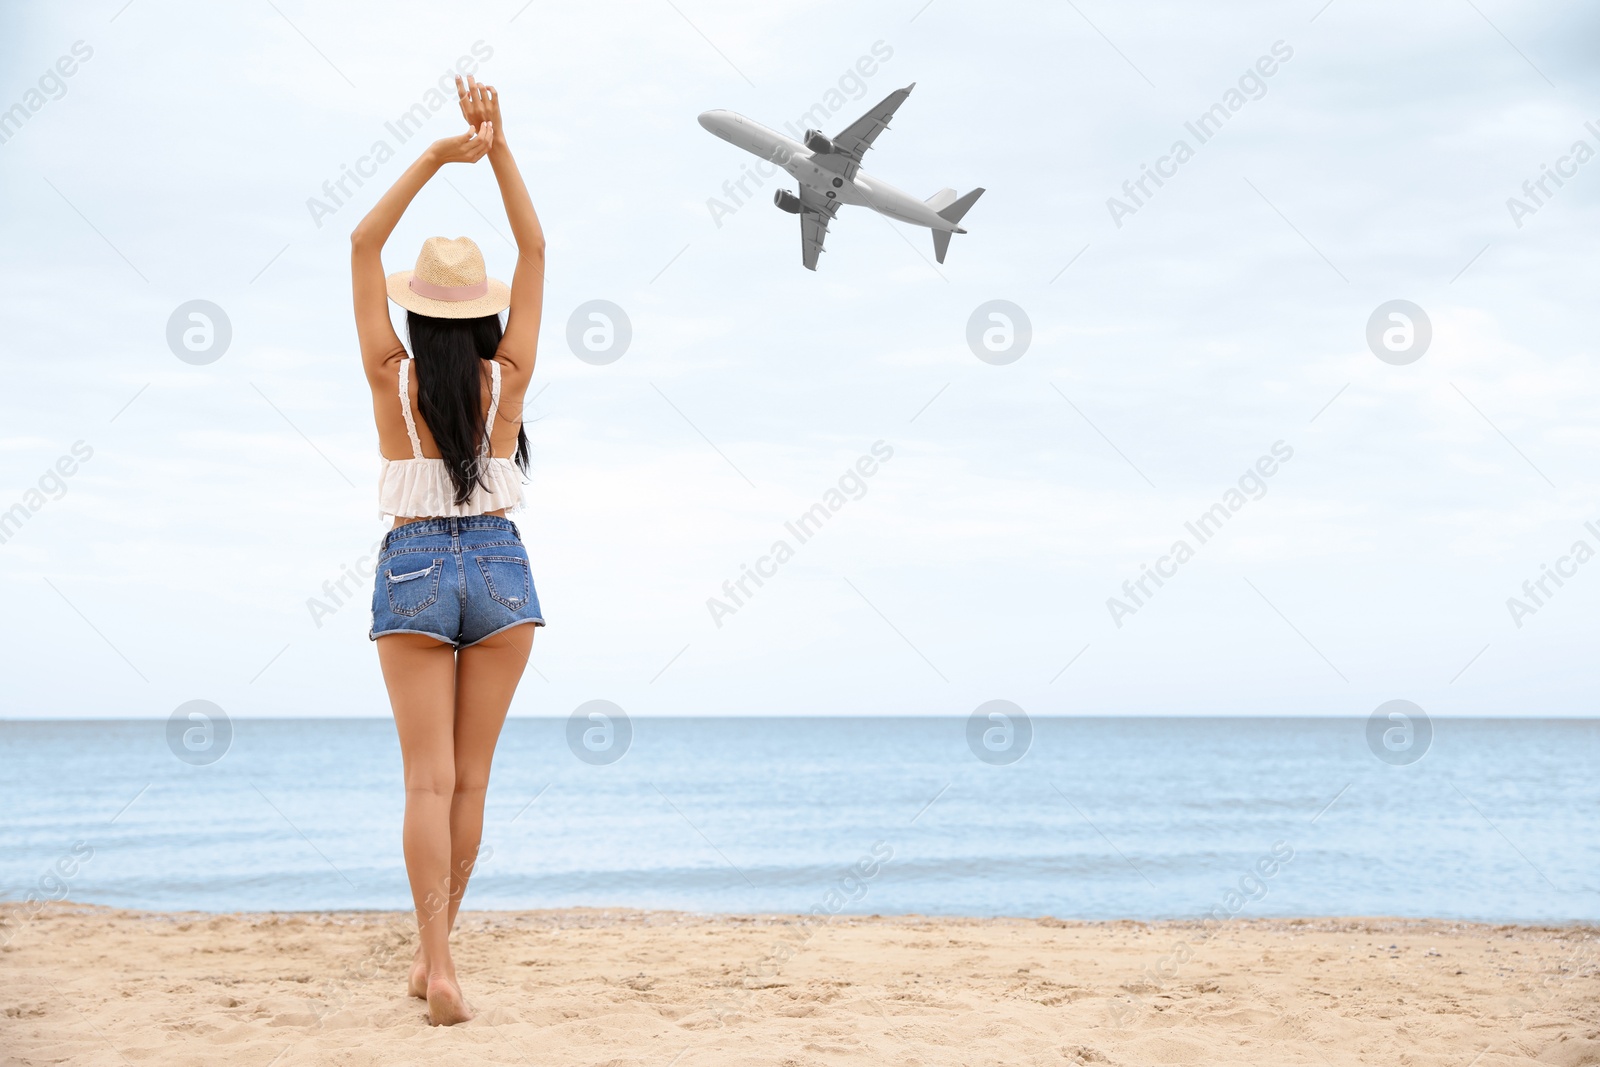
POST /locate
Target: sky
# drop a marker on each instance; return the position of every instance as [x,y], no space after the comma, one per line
[1177,336]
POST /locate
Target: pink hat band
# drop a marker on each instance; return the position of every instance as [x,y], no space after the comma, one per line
[451,293]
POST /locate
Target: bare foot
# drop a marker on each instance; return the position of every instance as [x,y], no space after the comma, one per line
[446,1007]
[419,976]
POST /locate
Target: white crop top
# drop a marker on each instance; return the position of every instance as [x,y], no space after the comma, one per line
[420,487]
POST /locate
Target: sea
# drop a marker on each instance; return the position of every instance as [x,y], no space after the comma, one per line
[1076,818]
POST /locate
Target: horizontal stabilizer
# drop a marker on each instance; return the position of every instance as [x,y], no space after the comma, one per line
[941,243]
[953,211]
[942,199]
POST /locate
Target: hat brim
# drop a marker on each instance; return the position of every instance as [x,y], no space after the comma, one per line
[496,300]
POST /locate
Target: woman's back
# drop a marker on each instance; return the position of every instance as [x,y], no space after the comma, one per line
[394,442]
[420,484]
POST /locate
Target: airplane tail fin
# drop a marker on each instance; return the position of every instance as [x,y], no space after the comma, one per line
[950,208]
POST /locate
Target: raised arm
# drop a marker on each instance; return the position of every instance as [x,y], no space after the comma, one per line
[380,347]
[519,347]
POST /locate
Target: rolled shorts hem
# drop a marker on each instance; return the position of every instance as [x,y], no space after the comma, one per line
[373,635]
[503,629]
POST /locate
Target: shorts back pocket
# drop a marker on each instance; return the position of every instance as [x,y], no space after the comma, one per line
[413,592]
[508,580]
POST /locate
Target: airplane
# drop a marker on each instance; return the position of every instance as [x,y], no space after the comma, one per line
[829,173]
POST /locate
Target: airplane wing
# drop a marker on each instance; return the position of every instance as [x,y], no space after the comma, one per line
[854,140]
[815,213]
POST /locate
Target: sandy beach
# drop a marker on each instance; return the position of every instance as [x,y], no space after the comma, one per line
[91,985]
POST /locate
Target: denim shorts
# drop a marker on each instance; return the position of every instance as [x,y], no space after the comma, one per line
[460,580]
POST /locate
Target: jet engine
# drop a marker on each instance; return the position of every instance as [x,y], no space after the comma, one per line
[787,201]
[818,143]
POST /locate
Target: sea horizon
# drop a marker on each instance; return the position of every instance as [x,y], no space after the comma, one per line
[387,716]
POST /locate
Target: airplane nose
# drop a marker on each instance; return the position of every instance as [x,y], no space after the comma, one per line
[708,119]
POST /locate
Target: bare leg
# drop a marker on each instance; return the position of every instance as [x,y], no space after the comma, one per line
[420,675]
[486,678]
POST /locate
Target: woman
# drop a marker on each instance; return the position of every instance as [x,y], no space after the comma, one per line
[453,606]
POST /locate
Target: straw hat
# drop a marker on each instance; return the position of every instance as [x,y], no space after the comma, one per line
[450,282]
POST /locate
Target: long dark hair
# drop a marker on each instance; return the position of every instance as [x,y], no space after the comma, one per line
[449,364]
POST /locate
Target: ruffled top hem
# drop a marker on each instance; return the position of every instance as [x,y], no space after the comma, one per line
[421,488]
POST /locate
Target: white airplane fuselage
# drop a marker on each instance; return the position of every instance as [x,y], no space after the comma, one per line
[801,163]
